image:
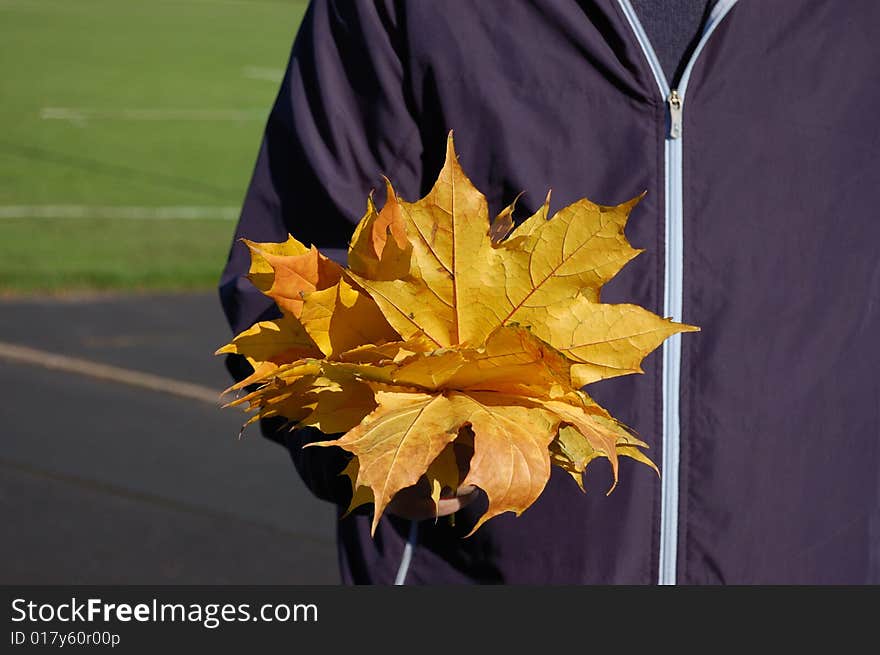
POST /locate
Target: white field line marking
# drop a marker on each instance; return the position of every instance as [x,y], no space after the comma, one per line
[237,3]
[56,362]
[66,4]
[83,115]
[184,212]
[265,74]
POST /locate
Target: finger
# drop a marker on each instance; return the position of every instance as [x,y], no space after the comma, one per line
[461,491]
[448,506]
[413,504]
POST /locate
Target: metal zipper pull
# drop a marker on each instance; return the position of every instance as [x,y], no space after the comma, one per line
[674,114]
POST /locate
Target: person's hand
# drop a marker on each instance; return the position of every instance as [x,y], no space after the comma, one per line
[414,503]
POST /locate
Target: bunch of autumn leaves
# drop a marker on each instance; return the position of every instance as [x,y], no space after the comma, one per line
[447,335]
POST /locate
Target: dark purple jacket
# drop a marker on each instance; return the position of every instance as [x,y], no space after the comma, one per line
[761,225]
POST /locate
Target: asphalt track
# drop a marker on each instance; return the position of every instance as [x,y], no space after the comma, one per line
[105,482]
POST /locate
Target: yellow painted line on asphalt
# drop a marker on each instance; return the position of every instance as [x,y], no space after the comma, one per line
[53,361]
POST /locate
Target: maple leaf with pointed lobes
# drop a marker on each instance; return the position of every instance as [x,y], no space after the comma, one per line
[449,334]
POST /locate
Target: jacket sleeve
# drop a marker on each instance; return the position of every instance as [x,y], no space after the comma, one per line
[340,121]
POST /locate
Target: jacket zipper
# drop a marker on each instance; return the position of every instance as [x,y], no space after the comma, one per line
[673,280]
[674,101]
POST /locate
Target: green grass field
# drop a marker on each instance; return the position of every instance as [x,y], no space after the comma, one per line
[109,105]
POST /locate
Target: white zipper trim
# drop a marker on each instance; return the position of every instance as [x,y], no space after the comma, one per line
[672,285]
[406,559]
[645,44]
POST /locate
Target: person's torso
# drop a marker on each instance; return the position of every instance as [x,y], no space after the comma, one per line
[759,226]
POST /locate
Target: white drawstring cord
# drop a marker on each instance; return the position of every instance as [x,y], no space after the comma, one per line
[403,569]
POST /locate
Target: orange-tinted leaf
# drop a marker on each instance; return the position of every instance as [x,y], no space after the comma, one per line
[295,275]
[379,248]
[511,461]
[261,272]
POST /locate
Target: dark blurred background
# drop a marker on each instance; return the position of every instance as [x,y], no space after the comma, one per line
[130,131]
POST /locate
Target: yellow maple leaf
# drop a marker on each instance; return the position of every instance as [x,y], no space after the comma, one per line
[341,318]
[360,495]
[268,344]
[397,442]
[444,473]
[449,334]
